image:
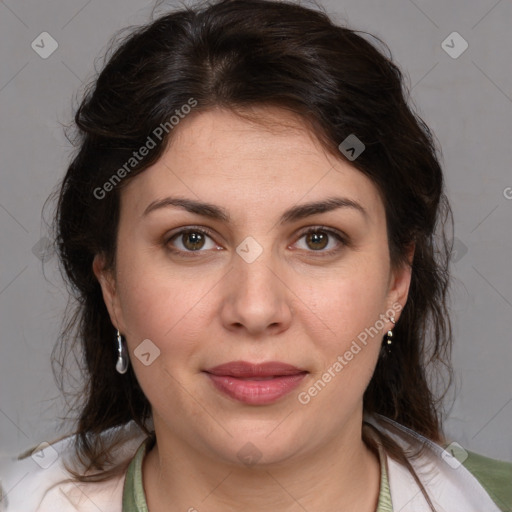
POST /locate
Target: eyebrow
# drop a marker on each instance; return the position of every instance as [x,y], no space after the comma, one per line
[293,214]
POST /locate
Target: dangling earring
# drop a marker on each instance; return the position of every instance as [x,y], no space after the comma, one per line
[122,355]
[388,339]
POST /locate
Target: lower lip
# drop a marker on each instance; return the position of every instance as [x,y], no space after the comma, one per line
[256,392]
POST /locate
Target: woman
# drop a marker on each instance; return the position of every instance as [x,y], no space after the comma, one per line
[253,227]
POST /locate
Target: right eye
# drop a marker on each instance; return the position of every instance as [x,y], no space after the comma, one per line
[191,240]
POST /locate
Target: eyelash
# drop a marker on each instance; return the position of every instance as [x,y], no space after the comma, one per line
[341,237]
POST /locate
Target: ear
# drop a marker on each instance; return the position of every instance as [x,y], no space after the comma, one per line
[400,282]
[107,282]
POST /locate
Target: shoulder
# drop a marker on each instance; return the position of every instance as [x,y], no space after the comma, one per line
[38,481]
[495,476]
[454,478]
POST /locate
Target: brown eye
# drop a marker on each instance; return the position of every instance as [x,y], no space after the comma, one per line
[193,240]
[317,240]
[322,240]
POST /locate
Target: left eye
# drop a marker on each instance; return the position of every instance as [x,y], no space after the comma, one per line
[319,239]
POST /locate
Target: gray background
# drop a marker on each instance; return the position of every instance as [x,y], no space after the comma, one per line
[467,101]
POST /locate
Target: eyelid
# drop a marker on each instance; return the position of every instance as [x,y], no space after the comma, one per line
[187,228]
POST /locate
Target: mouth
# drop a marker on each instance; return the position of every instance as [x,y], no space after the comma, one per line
[255,371]
[254,378]
[255,384]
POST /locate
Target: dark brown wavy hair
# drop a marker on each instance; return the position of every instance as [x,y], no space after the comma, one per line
[241,55]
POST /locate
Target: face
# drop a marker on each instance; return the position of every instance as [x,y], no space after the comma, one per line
[219,260]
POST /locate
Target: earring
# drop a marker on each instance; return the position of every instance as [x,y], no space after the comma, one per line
[388,339]
[122,355]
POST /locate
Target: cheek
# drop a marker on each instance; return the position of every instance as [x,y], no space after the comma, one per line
[349,303]
[350,345]
[169,312]
[161,307]
[156,300]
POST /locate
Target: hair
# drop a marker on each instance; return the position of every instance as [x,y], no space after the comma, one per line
[243,55]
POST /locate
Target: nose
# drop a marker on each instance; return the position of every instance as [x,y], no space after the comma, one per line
[256,298]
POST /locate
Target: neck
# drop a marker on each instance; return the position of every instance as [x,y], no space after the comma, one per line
[343,474]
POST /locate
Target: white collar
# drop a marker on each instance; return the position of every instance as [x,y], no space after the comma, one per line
[450,486]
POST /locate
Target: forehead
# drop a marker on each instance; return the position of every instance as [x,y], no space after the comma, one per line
[248,164]
[222,139]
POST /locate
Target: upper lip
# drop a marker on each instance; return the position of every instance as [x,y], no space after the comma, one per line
[246,369]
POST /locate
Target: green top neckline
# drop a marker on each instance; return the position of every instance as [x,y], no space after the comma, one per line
[134,497]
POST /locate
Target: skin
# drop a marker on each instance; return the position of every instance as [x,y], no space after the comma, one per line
[291,304]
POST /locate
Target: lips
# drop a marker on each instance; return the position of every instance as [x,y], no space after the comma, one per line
[245,370]
[255,384]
